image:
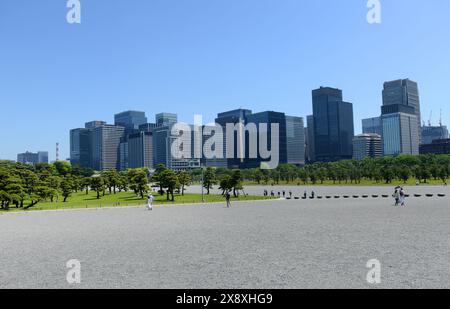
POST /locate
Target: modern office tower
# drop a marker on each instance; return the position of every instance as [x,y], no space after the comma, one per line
[42,156]
[33,158]
[140,150]
[403,92]
[295,140]
[94,124]
[80,147]
[166,119]
[233,117]
[105,146]
[131,120]
[372,126]
[400,130]
[333,125]
[367,146]
[431,133]
[123,154]
[147,127]
[438,146]
[169,149]
[310,146]
[269,118]
[27,158]
[213,139]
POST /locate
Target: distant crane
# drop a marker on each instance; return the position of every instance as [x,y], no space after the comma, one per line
[429,120]
[440,118]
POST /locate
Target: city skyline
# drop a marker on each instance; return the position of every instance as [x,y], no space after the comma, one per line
[192,58]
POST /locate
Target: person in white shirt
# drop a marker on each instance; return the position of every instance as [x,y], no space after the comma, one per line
[150,202]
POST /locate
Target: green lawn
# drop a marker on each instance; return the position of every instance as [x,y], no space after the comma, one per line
[81,200]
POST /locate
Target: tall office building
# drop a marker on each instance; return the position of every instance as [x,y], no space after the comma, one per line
[372,126]
[310,146]
[80,147]
[131,120]
[140,150]
[400,130]
[403,92]
[269,118]
[367,146]
[94,124]
[166,119]
[431,133]
[33,158]
[295,140]
[438,146]
[233,117]
[105,147]
[333,125]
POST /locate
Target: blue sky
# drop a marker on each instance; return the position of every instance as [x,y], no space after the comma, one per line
[207,56]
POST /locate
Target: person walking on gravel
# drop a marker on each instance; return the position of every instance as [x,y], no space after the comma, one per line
[228,199]
[402,198]
[150,202]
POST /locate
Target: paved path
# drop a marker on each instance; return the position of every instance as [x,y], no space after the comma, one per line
[267,244]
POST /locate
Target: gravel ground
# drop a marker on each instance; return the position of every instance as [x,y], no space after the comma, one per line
[265,244]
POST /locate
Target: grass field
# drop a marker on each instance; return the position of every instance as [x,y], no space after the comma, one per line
[81,200]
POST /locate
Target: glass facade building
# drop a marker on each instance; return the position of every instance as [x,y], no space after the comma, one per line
[106,146]
[403,92]
[400,134]
[131,120]
[430,133]
[372,126]
[80,147]
[295,140]
[333,125]
[367,146]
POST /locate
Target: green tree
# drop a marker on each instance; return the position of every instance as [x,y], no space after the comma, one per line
[209,179]
[67,185]
[184,179]
[98,185]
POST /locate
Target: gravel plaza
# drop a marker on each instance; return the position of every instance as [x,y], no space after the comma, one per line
[264,244]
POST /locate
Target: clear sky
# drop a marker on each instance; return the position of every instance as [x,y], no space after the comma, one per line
[207,56]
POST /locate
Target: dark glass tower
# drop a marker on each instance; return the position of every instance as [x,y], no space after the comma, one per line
[333,125]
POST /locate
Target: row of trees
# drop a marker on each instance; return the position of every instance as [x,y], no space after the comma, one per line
[402,168]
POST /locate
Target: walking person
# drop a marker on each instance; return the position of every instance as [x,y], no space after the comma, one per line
[396,195]
[402,198]
[228,199]
[150,202]
[290,194]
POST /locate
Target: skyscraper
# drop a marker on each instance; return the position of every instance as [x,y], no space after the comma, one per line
[269,118]
[131,120]
[105,147]
[367,146]
[403,92]
[333,125]
[310,145]
[33,158]
[233,117]
[140,150]
[166,119]
[431,133]
[80,147]
[400,130]
[295,140]
[372,126]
